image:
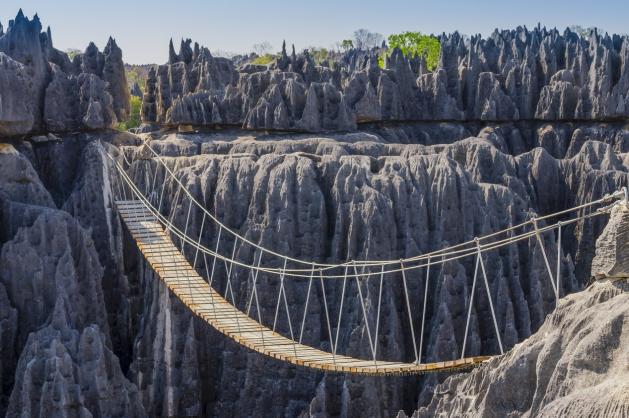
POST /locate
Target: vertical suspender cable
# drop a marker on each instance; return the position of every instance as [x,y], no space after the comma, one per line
[211,278]
[183,243]
[408,309]
[550,273]
[362,304]
[375,351]
[491,304]
[338,325]
[262,328]
[469,308]
[303,320]
[558,274]
[279,295]
[196,253]
[229,286]
[421,336]
[290,323]
[255,280]
[327,316]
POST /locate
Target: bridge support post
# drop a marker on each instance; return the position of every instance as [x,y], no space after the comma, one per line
[611,259]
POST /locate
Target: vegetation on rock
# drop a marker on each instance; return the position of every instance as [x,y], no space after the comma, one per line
[134,116]
[264,59]
[415,44]
[347,44]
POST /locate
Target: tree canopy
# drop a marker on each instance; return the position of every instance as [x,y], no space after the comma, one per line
[416,44]
[347,44]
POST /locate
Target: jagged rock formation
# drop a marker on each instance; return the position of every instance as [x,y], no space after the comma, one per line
[80,374]
[106,338]
[512,75]
[476,176]
[57,356]
[612,247]
[198,89]
[427,195]
[575,365]
[42,90]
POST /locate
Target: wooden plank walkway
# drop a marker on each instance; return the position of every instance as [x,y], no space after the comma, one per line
[173,268]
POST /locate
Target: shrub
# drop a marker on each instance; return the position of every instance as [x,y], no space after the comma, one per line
[134,115]
[264,59]
[415,44]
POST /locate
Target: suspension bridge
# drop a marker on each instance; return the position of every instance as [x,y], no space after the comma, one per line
[181,257]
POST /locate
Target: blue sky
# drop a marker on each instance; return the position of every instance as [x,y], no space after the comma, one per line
[143,28]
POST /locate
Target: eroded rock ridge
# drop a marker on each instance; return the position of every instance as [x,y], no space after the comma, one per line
[512,75]
[43,90]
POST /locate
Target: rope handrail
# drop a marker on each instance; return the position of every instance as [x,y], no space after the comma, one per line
[366,263]
[196,294]
[404,263]
[169,245]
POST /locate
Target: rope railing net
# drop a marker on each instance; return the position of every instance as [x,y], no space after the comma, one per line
[193,228]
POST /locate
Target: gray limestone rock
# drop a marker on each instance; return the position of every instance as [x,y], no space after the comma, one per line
[52,311]
[491,102]
[320,196]
[436,103]
[8,330]
[149,106]
[114,75]
[66,372]
[95,103]
[80,102]
[19,182]
[387,190]
[41,90]
[325,110]
[23,42]
[510,75]
[52,258]
[612,246]
[361,97]
[559,99]
[19,97]
[61,105]
[313,198]
[575,365]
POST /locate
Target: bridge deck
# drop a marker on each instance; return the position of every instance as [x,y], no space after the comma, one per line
[177,273]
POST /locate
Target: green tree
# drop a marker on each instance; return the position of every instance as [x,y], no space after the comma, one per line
[347,44]
[134,116]
[415,44]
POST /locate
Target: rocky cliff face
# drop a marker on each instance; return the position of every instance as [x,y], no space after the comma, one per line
[57,357]
[86,328]
[575,365]
[42,90]
[511,75]
[63,246]
[321,190]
